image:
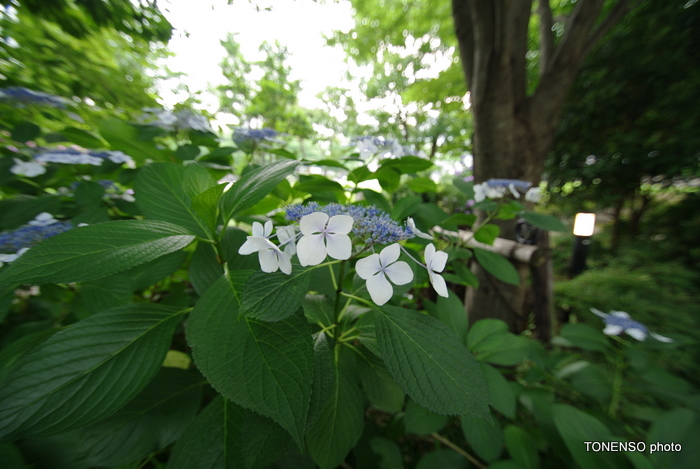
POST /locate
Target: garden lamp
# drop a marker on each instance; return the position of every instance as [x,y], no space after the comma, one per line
[584,224]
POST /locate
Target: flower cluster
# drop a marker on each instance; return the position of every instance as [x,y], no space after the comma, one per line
[172,121]
[91,157]
[28,169]
[24,96]
[496,188]
[14,243]
[325,232]
[368,146]
[241,134]
[371,225]
[618,322]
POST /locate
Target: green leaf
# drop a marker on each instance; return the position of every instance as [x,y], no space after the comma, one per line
[387,453]
[483,329]
[451,312]
[18,211]
[585,337]
[187,152]
[497,265]
[154,419]
[162,189]
[254,186]
[95,251]
[25,131]
[276,358]
[407,164]
[315,184]
[487,234]
[376,199]
[86,372]
[10,354]
[457,220]
[522,446]
[204,270]
[83,138]
[502,395]
[484,436]
[225,435]
[421,185]
[275,296]
[381,389]
[156,270]
[421,421]
[319,310]
[507,349]
[360,174]
[389,178]
[405,207]
[340,423]
[206,205]
[324,377]
[89,194]
[124,137]
[443,459]
[106,293]
[576,427]
[430,363]
[328,163]
[678,426]
[593,381]
[546,222]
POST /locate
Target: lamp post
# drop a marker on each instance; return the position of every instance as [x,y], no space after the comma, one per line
[584,223]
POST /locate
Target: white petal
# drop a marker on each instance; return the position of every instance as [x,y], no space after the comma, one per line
[339,246]
[439,261]
[268,228]
[620,314]
[311,250]
[416,232]
[612,329]
[428,254]
[247,248]
[438,284]
[390,254]
[514,191]
[285,263]
[598,313]
[258,229]
[636,333]
[368,266]
[268,260]
[313,223]
[379,289]
[660,338]
[533,195]
[400,273]
[340,224]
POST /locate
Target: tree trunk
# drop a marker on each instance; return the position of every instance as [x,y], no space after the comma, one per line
[514,131]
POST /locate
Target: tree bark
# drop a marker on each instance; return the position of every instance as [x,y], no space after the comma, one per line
[513,131]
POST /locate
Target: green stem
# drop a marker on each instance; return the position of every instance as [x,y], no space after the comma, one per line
[488,218]
[617,385]
[357,298]
[459,450]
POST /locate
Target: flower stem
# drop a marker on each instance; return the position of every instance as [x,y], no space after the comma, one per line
[617,385]
[459,450]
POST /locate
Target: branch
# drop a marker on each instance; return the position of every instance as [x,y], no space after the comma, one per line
[611,20]
[544,10]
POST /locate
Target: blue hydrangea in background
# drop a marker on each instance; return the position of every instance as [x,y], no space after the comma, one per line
[42,227]
[23,96]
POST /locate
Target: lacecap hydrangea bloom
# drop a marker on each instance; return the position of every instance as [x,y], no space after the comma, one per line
[618,322]
[497,188]
[15,243]
[343,232]
[91,157]
[23,96]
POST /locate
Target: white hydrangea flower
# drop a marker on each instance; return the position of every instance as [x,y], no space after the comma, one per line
[412,225]
[270,256]
[324,235]
[259,231]
[436,261]
[43,219]
[618,322]
[483,191]
[28,169]
[533,195]
[377,267]
[366,148]
[12,257]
